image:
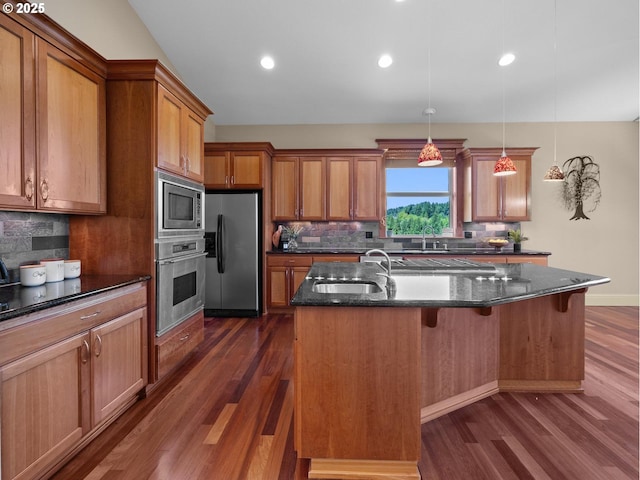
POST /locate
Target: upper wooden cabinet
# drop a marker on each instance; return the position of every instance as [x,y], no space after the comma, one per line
[298,188]
[489,198]
[53,119]
[353,188]
[178,116]
[180,137]
[236,165]
[326,185]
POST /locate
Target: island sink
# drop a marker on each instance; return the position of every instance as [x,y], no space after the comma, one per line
[349,287]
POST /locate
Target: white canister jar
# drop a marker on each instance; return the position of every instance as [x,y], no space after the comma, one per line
[55,269]
[33,275]
[71,268]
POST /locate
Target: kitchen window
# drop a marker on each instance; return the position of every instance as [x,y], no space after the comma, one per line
[419,198]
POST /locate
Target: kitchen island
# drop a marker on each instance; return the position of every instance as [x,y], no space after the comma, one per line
[377,355]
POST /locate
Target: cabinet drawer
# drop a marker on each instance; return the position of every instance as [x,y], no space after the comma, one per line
[175,345]
[289,260]
[50,326]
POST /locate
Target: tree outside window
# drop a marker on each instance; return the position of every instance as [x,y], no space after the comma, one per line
[418,198]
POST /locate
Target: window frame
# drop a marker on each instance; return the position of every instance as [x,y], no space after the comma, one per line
[450,194]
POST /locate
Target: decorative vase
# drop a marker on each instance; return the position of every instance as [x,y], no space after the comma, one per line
[293,243]
[517,247]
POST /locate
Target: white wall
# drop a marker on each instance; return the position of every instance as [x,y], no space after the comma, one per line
[607,244]
[111,27]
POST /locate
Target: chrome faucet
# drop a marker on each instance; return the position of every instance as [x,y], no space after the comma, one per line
[377,250]
[424,235]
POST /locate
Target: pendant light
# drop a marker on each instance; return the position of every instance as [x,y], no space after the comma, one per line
[555,174]
[430,154]
[505,165]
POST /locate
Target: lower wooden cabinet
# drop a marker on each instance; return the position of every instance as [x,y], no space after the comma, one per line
[55,396]
[177,343]
[285,273]
[117,358]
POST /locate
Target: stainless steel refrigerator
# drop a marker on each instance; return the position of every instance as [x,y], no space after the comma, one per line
[232,242]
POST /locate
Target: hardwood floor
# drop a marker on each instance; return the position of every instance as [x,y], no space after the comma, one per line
[227,415]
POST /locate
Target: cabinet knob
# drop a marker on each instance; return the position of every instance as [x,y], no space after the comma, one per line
[44,190]
[233,180]
[28,188]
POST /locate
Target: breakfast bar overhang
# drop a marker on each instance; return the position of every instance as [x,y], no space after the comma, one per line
[378,353]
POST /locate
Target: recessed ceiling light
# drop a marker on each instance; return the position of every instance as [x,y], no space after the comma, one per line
[384,61]
[506,59]
[267,63]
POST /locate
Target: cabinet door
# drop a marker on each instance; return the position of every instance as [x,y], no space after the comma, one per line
[118,355]
[193,145]
[45,406]
[17,104]
[278,286]
[284,188]
[297,276]
[246,170]
[366,188]
[169,131]
[216,167]
[312,188]
[515,202]
[72,142]
[339,188]
[486,192]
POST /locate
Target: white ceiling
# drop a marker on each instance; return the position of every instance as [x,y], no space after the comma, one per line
[326,55]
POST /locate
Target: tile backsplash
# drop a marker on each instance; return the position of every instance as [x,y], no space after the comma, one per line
[29,237]
[354,235]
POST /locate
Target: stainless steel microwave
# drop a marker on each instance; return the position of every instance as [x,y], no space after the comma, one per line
[179,206]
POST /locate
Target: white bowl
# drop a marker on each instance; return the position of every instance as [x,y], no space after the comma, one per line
[33,275]
[71,268]
[55,269]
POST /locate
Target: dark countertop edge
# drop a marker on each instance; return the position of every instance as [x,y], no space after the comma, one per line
[363,302]
[108,285]
[302,298]
[457,251]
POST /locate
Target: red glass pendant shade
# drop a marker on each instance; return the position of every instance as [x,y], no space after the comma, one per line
[504,166]
[430,155]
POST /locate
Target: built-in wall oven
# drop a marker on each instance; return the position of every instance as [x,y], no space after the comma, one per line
[180,253]
[180,276]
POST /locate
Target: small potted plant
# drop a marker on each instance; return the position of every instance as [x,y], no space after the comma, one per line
[293,232]
[516,237]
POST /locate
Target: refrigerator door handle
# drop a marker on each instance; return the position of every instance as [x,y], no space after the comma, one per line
[220,244]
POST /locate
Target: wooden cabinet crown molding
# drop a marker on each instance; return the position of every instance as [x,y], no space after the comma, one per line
[403,148]
[326,152]
[45,28]
[155,70]
[216,147]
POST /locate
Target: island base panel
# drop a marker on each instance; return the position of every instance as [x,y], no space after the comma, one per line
[357,375]
[542,343]
[362,469]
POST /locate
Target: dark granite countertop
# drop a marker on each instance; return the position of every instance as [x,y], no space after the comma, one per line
[408,251]
[474,287]
[16,300]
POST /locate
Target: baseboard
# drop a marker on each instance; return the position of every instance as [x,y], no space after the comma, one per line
[598,300]
[444,407]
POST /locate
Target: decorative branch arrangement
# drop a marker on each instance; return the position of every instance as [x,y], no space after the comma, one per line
[581,186]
